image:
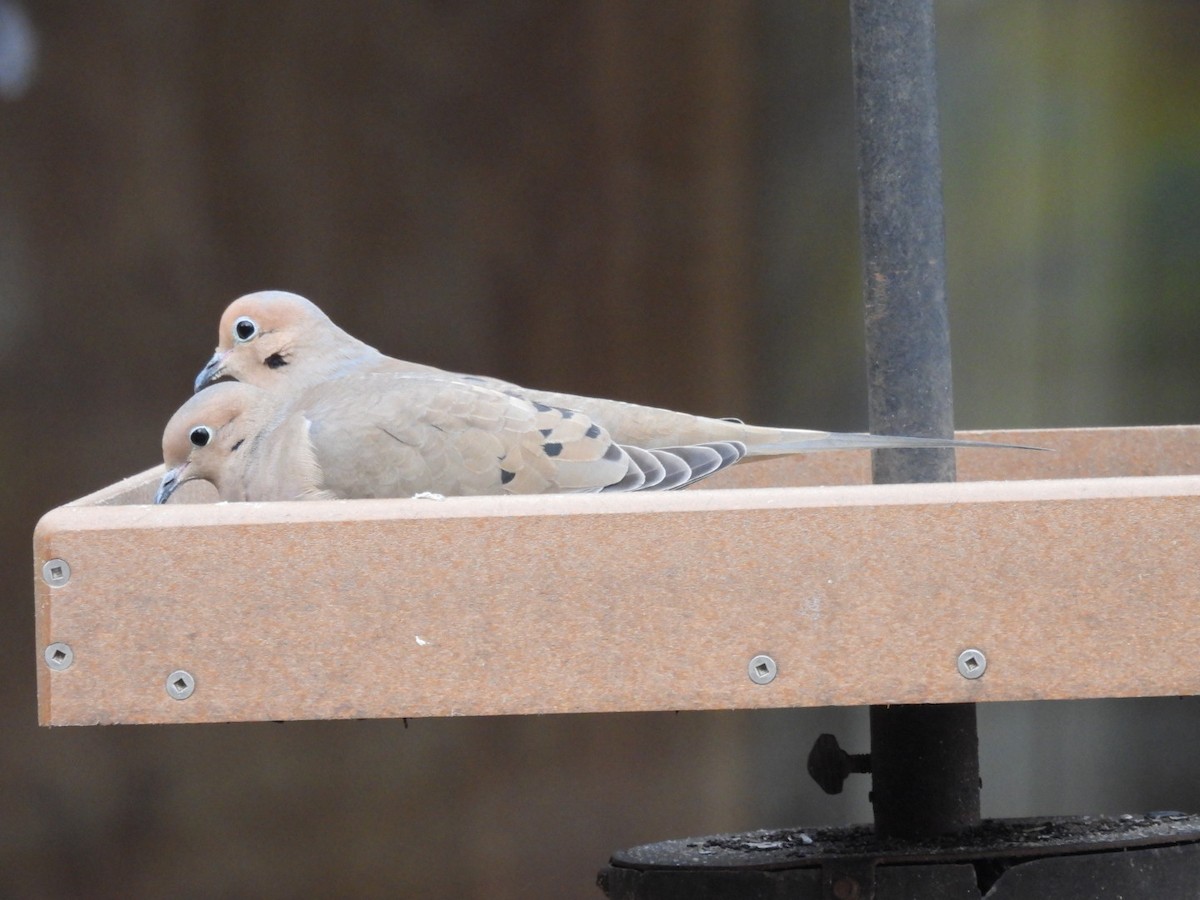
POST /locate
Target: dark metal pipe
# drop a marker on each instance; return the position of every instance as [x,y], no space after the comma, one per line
[924,759]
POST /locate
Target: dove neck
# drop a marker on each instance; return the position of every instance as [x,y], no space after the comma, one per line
[352,356]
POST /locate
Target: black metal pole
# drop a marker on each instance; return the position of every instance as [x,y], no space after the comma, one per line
[924,759]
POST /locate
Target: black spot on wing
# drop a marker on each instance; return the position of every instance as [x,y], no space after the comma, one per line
[552,448]
[546,432]
[592,432]
[506,476]
[541,407]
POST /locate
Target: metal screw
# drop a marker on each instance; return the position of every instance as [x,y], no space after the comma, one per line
[972,663]
[180,684]
[56,572]
[762,669]
[59,656]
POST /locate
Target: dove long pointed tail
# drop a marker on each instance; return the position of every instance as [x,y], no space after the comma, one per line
[649,428]
[796,441]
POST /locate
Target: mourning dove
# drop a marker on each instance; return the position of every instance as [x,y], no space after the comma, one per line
[397,435]
[282,342]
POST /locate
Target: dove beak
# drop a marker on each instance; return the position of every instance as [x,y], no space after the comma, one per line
[170,481]
[213,370]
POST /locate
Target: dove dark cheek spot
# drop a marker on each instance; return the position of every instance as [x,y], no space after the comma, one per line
[235,446]
[275,361]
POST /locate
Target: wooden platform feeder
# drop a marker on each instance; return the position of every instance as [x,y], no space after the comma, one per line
[790,582]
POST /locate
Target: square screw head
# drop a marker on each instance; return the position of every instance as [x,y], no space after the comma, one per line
[180,684]
[56,572]
[59,656]
[762,669]
[972,663]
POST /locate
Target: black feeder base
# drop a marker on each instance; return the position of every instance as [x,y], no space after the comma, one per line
[1128,857]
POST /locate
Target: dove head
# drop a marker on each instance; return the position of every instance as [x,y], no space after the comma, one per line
[203,439]
[273,340]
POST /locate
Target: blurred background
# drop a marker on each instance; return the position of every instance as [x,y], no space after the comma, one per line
[655,202]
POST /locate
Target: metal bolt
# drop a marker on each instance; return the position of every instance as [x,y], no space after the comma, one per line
[180,684]
[829,765]
[762,669]
[56,572]
[59,656]
[972,663]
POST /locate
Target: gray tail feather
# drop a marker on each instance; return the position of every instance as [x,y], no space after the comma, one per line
[654,470]
[705,459]
[635,473]
[835,441]
[671,468]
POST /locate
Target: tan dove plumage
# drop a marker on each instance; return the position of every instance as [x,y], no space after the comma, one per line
[282,342]
[397,435]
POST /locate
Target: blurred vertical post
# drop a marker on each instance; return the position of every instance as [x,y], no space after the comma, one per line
[924,759]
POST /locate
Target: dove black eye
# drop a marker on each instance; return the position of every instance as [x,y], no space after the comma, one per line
[244,329]
[275,361]
[200,436]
